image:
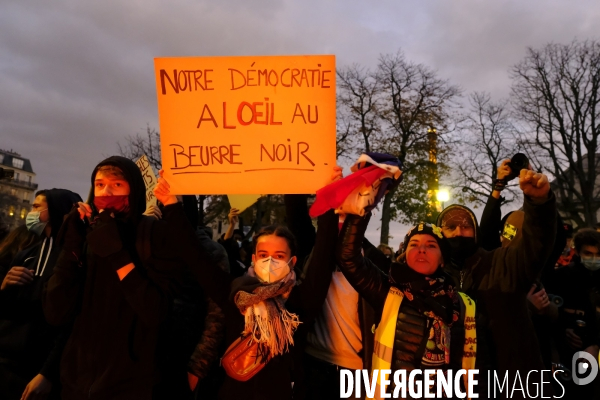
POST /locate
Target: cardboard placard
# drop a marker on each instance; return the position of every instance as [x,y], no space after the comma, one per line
[242,201]
[150,179]
[245,125]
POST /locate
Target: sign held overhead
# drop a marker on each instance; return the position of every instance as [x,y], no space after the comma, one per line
[245,125]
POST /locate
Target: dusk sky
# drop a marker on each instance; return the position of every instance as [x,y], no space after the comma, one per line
[78,77]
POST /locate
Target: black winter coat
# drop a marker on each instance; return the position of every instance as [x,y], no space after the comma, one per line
[498,281]
[28,344]
[116,323]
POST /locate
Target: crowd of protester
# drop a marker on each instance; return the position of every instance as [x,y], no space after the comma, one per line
[108,299]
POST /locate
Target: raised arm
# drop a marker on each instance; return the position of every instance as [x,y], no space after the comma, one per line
[517,266]
[309,296]
[214,281]
[491,218]
[299,222]
[491,221]
[371,283]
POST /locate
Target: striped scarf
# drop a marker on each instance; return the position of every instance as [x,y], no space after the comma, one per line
[266,318]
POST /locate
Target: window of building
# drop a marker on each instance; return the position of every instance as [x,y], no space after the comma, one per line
[1,158]
[16,176]
[25,196]
[17,163]
[23,213]
[13,192]
[11,210]
[29,176]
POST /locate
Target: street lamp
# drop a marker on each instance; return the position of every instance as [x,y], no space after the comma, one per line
[442,196]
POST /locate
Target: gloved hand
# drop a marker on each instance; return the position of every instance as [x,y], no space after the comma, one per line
[105,241]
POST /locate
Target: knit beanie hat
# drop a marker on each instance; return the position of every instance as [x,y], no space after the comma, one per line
[425,228]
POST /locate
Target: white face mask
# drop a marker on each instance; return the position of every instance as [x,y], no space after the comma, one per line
[270,270]
[591,263]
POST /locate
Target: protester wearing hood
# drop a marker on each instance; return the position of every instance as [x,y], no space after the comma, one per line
[499,280]
[417,302]
[30,349]
[113,281]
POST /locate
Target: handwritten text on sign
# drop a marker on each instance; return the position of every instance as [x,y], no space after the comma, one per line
[149,179]
[243,125]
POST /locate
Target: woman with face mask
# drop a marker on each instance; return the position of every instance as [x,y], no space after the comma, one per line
[420,315]
[264,304]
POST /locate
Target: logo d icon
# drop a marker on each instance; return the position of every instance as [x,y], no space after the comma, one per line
[581,368]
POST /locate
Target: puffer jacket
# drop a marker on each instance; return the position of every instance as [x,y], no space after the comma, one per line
[413,326]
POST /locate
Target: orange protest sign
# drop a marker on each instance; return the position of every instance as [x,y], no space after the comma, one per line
[245,125]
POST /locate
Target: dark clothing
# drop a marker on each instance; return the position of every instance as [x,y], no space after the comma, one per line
[192,335]
[576,285]
[111,351]
[275,379]
[236,267]
[376,256]
[28,344]
[498,281]
[491,224]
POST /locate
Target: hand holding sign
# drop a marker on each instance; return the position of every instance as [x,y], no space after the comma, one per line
[162,190]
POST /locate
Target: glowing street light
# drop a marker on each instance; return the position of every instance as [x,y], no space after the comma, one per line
[442,196]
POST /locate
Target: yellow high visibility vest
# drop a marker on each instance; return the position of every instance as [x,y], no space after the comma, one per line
[386,331]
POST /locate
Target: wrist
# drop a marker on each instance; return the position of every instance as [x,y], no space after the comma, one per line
[171,200]
[537,200]
[498,184]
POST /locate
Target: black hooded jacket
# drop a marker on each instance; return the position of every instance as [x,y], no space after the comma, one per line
[498,281]
[28,345]
[116,323]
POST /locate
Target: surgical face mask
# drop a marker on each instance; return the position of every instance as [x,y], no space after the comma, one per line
[33,223]
[592,263]
[271,270]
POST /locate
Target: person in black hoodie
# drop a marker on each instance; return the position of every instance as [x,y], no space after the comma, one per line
[114,281]
[29,347]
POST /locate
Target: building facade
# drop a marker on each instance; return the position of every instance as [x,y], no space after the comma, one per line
[16,194]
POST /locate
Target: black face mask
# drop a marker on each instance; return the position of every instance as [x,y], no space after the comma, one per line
[462,247]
